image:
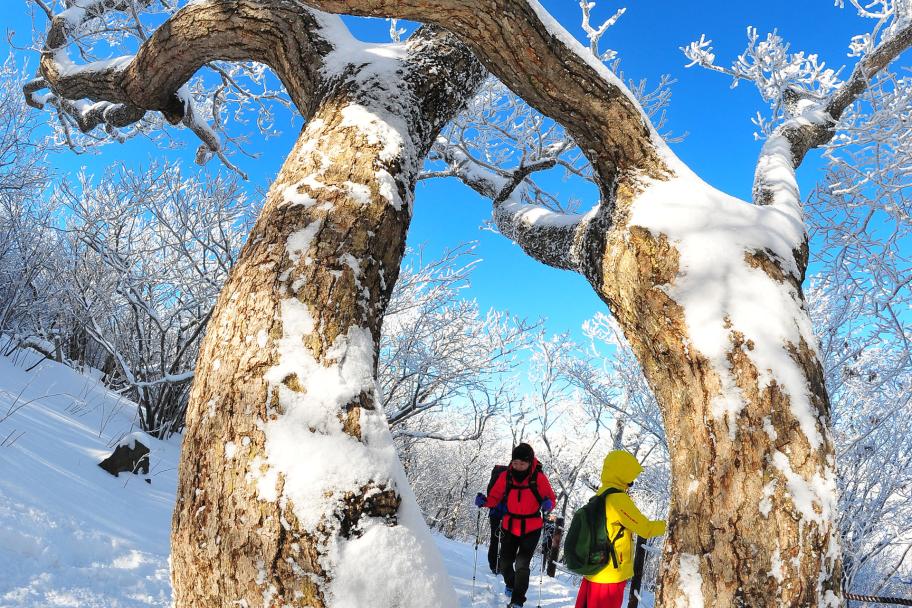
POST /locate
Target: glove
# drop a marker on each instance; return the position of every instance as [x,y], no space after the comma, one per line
[480,500]
[546,505]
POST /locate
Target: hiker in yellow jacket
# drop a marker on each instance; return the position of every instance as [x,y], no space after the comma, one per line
[605,588]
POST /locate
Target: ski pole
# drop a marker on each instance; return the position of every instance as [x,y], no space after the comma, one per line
[475,561]
[541,573]
[639,559]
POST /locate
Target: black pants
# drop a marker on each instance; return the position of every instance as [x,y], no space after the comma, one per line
[494,545]
[515,557]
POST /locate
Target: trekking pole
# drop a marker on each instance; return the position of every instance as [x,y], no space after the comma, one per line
[638,561]
[540,573]
[475,561]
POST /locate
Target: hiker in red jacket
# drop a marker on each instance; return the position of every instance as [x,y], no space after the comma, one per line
[527,494]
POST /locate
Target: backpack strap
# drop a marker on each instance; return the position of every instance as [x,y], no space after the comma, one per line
[533,483]
[533,486]
[611,551]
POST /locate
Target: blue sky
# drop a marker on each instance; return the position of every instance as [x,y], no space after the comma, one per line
[720,145]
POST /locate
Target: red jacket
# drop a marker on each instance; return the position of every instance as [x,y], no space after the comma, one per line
[523,515]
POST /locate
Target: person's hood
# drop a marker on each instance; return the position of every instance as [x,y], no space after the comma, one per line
[619,470]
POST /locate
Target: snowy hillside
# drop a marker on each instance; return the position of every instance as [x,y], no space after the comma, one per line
[70,533]
[73,535]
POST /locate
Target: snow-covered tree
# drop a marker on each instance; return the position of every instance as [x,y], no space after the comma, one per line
[145,255]
[860,223]
[439,351]
[868,379]
[24,246]
[569,429]
[290,491]
[707,288]
[446,476]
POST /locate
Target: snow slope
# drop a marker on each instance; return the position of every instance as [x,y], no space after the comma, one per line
[73,535]
[70,533]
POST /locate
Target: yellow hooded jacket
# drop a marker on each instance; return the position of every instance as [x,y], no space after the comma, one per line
[618,471]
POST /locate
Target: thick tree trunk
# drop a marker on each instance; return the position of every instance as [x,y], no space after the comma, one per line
[287,462]
[751,519]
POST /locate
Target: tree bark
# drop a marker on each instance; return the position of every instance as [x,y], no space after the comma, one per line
[289,360]
[290,492]
[751,519]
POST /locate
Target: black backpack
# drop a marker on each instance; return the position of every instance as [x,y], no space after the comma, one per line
[587,548]
[495,473]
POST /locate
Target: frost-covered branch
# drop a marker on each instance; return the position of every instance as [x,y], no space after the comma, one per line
[806,97]
[119,92]
[145,256]
[441,358]
[594,34]
[868,378]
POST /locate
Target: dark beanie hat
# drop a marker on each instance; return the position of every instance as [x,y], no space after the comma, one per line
[523,452]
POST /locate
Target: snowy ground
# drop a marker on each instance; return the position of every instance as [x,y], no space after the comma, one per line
[73,535]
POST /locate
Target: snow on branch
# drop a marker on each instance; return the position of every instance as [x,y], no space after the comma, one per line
[501,147]
[770,65]
[807,98]
[610,127]
[594,34]
[797,82]
[185,72]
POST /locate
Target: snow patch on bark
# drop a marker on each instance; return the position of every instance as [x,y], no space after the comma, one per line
[814,498]
[378,128]
[769,429]
[320,463]
[776,567]
[299,241]
[766,503]
[721,293]
[358,192]
[691,582]
[388,188]
[292,196]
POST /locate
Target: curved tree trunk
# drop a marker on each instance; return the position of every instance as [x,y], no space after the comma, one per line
[288,472]
[751,520]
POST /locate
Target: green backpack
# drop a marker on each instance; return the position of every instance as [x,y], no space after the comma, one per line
[587,548]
